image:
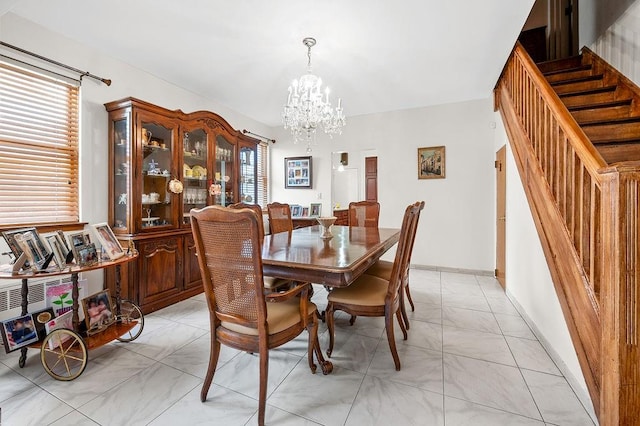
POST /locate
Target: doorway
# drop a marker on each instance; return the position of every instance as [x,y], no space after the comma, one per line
[563,28]
[371,179]
[501,210]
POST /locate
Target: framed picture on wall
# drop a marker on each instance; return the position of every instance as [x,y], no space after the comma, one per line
[297,172]
[431,162]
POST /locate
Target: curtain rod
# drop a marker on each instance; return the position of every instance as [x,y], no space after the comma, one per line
[35,55]
[246,132]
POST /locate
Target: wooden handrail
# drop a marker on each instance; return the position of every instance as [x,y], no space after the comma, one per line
[587,214]
[589,155]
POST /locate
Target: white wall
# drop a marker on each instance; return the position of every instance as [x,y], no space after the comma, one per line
[612,30]
[539,15]
[528,280]
[127,81]
[457,227]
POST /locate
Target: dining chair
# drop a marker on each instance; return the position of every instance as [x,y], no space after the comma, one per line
[372,296]
[279,218]
[241,315]
[270,283]
[383,268]
[364,213]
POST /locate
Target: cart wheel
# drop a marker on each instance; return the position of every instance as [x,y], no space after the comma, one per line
[69,357]
[130,312]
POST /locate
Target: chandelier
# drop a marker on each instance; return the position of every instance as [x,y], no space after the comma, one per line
[308,107]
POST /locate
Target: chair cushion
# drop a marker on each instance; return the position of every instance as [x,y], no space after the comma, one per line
[272,282]
[280,316]
[365,291]
[382,269]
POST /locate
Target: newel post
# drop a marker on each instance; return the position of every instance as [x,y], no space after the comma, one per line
[620,298]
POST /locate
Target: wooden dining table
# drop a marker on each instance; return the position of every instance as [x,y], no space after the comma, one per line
[302,255]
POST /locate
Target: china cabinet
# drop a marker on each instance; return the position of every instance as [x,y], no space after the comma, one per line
[163,163]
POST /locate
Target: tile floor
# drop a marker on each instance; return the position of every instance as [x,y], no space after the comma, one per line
[469,360]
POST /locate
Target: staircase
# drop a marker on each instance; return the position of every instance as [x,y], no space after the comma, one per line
[604,103]
[574,129]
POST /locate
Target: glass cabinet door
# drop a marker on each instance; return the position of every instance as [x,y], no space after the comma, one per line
[157,163]
[224,174]
[248,175]
[121,174]
[194,172]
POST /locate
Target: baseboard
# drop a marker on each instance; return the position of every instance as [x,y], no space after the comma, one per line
[454,270]
[581,392]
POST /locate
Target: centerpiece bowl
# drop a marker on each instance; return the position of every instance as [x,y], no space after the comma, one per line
[326,223]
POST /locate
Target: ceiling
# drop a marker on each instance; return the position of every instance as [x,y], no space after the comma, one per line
[376,55]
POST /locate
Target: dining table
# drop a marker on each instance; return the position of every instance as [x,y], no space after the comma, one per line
[304,255]
[307,255]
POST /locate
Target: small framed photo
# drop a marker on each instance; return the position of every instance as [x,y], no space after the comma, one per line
[63,241]
[98,312]
[86,255]
[79,239]
[296,210]
[59,254]
[64,320]
[110,245]
[35,256]
[305,212]
[18,332]
[26,237]
[316,209]
[297,172]
[431,162]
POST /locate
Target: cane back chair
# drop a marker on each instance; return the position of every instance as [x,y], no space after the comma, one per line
[241,315]
[372,296]
[364,213]
[279,218]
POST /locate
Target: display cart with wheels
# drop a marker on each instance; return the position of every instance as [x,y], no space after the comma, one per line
[64,352]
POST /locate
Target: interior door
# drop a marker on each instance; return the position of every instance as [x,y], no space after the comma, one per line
[501,195]
[563,28]
[371,178]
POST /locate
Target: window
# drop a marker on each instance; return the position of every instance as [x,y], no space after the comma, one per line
[263,149]
[38,149]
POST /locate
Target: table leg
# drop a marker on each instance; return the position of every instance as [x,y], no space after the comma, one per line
[74,297]
[24,304]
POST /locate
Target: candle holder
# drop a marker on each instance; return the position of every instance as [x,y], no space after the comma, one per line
[326,223]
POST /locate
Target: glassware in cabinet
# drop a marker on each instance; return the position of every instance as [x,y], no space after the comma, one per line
[157,163]
[248,174]
[121,157]
[195,174]
[224,178]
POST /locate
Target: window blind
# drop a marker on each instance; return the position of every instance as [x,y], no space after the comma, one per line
[38,148]
[262,180]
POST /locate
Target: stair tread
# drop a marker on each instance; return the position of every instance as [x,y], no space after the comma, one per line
[589,91]
[626,141]
[578,80]
[560,64]
[568,70]
[616,121]
[623,102]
